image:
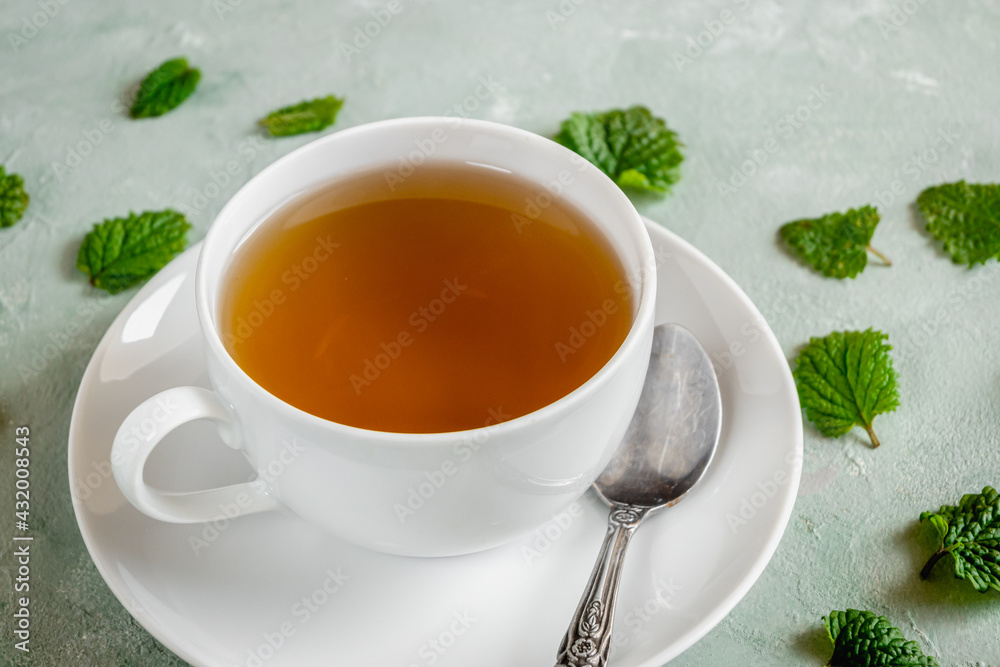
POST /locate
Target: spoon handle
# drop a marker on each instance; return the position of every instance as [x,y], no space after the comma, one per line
[587,642]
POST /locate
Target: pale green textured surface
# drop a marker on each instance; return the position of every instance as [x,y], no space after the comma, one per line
[853,539]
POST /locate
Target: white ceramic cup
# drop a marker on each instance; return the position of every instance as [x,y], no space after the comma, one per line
[402,493]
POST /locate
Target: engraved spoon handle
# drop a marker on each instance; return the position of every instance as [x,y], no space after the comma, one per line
[587,642]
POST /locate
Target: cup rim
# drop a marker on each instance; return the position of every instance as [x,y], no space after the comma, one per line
[630,216]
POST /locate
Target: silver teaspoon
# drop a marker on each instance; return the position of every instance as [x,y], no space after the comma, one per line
[667,448]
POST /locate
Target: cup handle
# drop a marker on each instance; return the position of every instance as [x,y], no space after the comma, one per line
[143,429]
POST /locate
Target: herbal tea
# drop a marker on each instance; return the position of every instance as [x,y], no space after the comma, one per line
[450,301]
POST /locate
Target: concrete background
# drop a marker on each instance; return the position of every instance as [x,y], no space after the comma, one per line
[903,95]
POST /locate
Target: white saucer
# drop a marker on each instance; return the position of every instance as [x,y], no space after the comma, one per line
[227,595]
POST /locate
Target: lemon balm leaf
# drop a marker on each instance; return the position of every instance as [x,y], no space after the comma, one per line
[970,534]
[965,218]
[165,88]
[836,244]
[632,146]
[308,116]
[864,639]
[121,252]
[13,198]
[845,380]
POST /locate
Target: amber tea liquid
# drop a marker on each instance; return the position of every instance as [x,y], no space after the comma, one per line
[434,305]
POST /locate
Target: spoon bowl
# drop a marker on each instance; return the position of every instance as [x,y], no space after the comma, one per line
[673,435]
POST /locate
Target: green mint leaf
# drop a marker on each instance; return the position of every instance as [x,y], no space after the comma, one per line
[845,380]
[965,217]
[13,198]
[863,639]
[970,534]
[835,244]
[632,146]
[308,116]
[121,252]
[165,88]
